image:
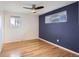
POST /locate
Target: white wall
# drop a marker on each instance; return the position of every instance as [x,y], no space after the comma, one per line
[28,29]
[1,30]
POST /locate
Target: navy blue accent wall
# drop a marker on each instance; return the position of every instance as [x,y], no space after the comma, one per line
[67,32]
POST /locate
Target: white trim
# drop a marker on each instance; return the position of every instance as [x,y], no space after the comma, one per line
[18,41]
[60,46]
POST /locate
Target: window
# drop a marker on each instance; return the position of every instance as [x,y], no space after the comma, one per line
[15,21]
[57,17]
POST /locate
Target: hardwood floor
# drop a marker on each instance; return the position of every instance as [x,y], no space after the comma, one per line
[33,48]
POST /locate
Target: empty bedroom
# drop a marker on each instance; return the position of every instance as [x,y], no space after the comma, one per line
[39,29]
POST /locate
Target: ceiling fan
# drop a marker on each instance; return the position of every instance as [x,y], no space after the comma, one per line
[34,8]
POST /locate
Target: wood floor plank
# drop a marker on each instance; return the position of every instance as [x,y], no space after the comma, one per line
[33,48]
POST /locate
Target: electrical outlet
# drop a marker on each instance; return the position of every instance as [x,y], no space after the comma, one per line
[58,40]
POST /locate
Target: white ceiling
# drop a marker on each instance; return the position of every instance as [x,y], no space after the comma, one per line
[17,6]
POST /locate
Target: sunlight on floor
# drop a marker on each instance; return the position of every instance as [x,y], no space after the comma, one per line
[14,54]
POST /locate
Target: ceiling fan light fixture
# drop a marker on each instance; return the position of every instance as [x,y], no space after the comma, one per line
[34,8]
[34,11]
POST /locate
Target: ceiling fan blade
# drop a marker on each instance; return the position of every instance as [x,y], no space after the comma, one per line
[27,8]
[40,7]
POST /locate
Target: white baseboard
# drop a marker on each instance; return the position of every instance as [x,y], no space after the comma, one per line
[19,40]
[60,46]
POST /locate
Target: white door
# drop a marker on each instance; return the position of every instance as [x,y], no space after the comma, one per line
[0,33]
